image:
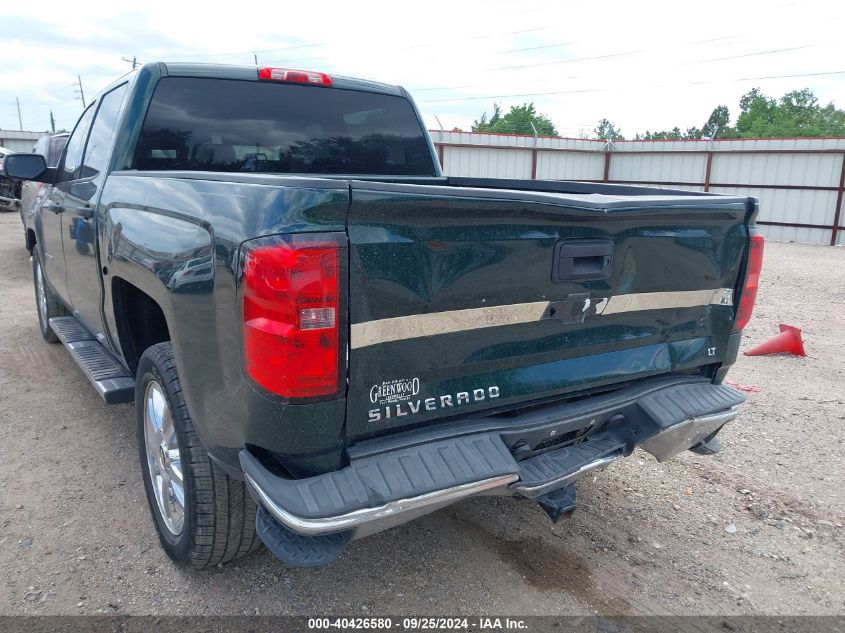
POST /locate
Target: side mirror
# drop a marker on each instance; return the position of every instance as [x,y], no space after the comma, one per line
[25,166]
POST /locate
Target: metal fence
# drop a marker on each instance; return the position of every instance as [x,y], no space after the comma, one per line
[800,182]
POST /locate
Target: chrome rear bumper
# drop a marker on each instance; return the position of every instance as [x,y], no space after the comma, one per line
[383,516]
[388,486]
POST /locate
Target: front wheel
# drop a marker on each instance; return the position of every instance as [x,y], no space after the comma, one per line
[203,516]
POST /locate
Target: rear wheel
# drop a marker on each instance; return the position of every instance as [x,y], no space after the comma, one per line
[203,516]
[47,303]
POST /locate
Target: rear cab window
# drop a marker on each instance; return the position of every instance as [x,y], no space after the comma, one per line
[244,126]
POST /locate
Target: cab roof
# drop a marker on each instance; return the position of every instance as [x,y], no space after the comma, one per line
[250,73]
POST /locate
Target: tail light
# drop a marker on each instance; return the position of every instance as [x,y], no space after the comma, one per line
[752,281]
[291,316]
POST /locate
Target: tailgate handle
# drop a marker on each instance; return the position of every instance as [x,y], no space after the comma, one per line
[582,260]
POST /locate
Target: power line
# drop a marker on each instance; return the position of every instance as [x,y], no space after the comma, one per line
[533,48]
[719,39]
[253,52]
[832,72]
[769,52]
[675,85]
[709,41]
[509,96]
[489,35]
[533,82]
[429,45]
[294,60]
[570,61]
[725,42]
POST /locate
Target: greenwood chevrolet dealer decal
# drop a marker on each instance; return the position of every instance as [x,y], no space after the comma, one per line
[398,398]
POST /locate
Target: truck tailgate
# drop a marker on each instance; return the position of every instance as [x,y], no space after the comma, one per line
[465,300]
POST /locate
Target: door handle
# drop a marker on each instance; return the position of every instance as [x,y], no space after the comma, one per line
[55,208]
[582,260]
[84,211]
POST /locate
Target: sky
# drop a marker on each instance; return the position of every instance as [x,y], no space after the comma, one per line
[643,65]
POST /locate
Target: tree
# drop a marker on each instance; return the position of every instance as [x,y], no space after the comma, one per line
[675,134]
[718,123]
[483,125]
[756,115]
[607,131]
[667,135]
[518,120]
[797,113]
[693,133]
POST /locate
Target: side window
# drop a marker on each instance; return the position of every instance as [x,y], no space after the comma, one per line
[76,145]
[57,146]
[102,132]
[41,147]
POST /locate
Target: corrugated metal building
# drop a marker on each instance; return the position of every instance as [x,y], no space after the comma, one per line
[19,141]
[800,182]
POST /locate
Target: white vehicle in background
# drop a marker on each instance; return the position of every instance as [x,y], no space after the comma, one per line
[10,191]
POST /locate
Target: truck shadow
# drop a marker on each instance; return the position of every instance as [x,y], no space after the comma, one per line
[545,563]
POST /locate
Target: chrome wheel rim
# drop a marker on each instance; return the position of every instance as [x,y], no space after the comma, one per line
[163,459]
[42,294]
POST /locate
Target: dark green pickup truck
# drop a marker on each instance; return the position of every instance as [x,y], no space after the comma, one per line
[325,337]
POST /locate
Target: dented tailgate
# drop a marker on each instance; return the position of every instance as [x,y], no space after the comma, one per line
[464,300]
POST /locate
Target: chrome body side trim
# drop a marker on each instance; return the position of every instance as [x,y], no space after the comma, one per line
[618,304]
[450,321]
[418,325]
[359,518]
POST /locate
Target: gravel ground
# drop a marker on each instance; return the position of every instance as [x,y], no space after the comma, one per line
[757,529]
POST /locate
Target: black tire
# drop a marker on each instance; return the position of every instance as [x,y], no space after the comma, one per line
[52,306]
[219,514]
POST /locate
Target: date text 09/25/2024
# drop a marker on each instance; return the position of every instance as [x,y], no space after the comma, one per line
[480,624]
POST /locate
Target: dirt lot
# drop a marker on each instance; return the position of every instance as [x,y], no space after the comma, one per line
[755,529]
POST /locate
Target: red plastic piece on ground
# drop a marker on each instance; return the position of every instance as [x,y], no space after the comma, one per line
[742,388]
[788,341]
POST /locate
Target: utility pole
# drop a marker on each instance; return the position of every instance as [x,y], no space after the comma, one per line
[20,121]
[52,122]
[255,57]
[133,61]
[79,91]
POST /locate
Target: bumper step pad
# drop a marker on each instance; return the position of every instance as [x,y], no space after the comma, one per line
[674,405]
[688,417]
[390,477]
[552,470]
[112,380]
